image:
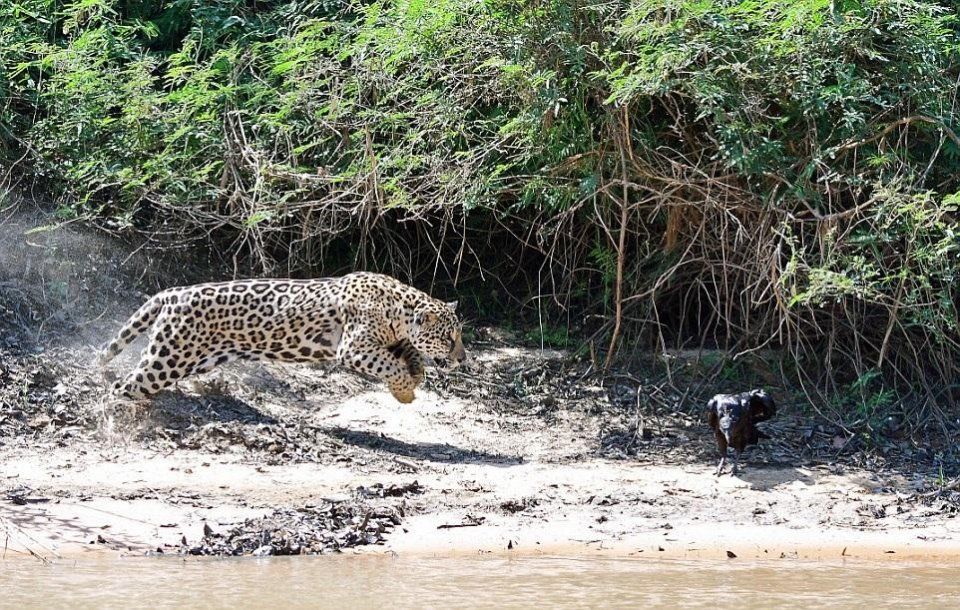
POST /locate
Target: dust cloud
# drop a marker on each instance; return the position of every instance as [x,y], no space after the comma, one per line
[63,285]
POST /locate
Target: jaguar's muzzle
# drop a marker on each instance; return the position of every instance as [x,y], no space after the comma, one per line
[456,357]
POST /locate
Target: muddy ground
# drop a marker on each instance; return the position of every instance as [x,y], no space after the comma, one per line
[524,450]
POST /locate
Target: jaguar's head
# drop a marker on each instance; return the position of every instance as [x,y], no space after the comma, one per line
[436,332]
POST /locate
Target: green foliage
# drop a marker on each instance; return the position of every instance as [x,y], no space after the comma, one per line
[463,101]
[904,254]
[783,85]
[549,336]
[606,261]
[868,399]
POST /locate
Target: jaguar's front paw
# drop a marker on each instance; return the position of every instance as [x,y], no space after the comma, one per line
[403,395]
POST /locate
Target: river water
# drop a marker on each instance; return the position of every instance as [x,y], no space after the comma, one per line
[356,582]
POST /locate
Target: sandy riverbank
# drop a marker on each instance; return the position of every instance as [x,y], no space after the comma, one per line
[488,481]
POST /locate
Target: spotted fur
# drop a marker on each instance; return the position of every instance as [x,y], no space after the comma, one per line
[371,323]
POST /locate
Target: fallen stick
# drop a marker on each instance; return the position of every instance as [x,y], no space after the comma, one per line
[406,464]
[469,522]
[12,529]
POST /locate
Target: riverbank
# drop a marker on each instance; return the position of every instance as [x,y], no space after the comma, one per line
[77,502]
[452,474]
[525,451]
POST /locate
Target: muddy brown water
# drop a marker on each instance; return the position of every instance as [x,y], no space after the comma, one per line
[473,582]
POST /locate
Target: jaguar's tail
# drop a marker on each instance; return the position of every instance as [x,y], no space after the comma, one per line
[135,326]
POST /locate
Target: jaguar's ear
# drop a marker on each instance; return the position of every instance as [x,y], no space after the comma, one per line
[452,305]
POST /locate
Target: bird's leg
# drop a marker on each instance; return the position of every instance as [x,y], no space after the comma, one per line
[723,460]
[736,462]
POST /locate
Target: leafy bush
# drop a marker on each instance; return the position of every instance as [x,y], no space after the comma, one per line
[726,173]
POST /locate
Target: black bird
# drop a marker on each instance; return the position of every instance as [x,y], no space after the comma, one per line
[733,418]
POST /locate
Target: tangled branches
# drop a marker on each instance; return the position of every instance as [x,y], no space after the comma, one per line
[773,177]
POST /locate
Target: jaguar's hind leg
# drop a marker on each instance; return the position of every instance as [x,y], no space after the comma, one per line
[145,380]
[162,364]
